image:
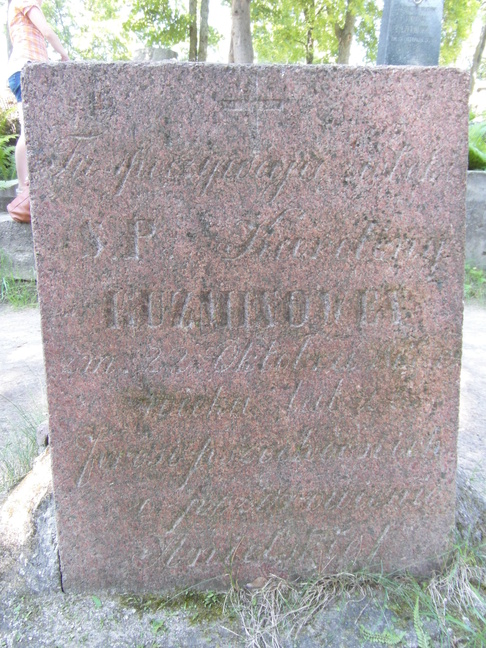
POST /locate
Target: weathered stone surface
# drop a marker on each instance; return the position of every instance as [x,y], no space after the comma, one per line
[476,219]
[410,32]
[6,196]
[251,294]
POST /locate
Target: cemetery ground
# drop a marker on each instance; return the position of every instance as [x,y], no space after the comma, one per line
[344,610]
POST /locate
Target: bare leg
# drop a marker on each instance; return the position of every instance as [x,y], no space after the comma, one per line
[21,153]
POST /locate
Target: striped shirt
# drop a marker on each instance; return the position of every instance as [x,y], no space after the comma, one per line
[27,42]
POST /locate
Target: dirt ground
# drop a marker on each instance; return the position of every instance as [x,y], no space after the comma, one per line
[472,416]
[35,612]
[22,377]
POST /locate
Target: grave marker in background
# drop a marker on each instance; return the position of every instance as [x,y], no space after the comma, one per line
[251,296]
[410,32]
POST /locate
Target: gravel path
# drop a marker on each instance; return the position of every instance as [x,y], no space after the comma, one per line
[472,417]
[22,377]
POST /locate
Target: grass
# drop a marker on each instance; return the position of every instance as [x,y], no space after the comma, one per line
[198,606]
[447,610]
[17,456]
[474,283]
[16,292]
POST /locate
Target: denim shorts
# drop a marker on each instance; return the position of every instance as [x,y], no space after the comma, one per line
[14,84]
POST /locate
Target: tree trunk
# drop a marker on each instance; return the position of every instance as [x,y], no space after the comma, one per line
[203,31]
[310,21]
[309,47]
[345,37]
[478,55]
[241,49]
[193,30]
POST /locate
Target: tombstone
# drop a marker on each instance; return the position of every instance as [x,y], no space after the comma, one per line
[410,32]
[250,284]
[154,54]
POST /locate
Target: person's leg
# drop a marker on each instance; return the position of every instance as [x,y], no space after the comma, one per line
[21,148]
[21,152]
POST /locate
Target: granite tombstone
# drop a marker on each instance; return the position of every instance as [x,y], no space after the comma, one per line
[251,293]
[410,32]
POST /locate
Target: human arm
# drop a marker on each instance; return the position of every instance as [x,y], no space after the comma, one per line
[37,18]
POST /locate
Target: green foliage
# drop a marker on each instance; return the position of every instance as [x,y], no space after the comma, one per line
[199,606]
[457,23]
[422,638]
[366,30]
[279,31]
[477,146]
[7,157]
[162,23]
[91,31]
[474,283]
[387,637]
[158,22]
[286,31]
[105,29]
[158,626]
[59,15]
[103,9]
[8,139]
[97,602]
[293,31]
[13,291]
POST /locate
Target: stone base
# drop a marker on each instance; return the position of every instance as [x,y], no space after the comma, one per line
[17,245]
[476,219]
[6,196]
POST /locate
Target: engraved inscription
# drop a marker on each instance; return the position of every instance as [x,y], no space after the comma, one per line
[335,449]
[91,364]
[255,309]
[186,404]
[415,25]
[269,236]
[258,355]
[271,176]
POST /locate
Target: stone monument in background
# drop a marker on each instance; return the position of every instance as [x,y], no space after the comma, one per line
[410,32]
[250,284]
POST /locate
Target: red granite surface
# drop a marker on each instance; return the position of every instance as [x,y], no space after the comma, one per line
[251,294]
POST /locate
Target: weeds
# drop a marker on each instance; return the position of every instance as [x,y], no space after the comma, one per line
[267,614]
[458,594]
[474,283]
[16,292]
[448,610]
[386,638]
[17,456]
[199,606]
